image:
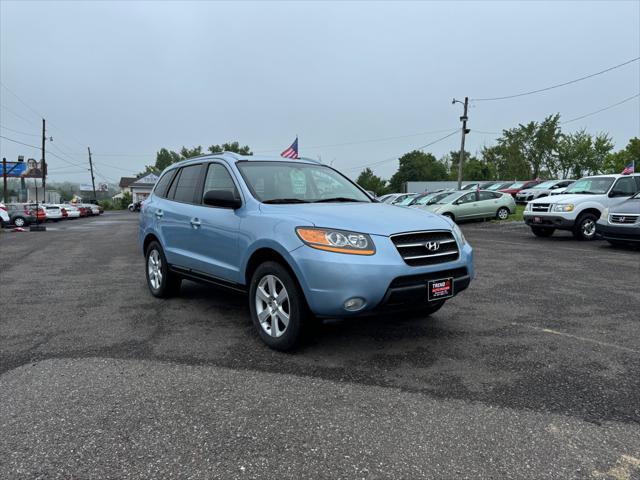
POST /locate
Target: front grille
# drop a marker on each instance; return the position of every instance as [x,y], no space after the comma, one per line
[423,278]
[623,218]
[414,247]
[540,207]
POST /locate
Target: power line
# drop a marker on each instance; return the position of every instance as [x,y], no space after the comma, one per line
[558,85]
[18,131]
[51,124]
[595,112]
[17,114]
[397,156]
[628,99]
[359,142]
[21,143]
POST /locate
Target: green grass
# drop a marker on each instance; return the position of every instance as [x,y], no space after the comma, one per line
[514,217]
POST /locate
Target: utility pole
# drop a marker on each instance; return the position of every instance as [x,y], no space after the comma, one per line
[465,130]
[44,165]
[93,180]
[4,180]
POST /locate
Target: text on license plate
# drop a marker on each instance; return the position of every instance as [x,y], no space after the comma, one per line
[439,289]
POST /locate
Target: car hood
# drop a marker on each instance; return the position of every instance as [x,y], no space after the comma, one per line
[567,198]
[371,218]
[630,206]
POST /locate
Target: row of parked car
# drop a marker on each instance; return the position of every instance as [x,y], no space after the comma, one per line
[460,204]
[24,214]
[605,206]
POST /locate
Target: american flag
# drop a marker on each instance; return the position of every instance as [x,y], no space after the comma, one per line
[292,151]
[630,168]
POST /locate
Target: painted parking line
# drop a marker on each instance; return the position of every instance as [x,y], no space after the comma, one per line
[576,337]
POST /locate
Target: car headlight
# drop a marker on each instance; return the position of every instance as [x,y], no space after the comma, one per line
[528,207]
[456,231]
[339,241]
[563,207]
[605,214]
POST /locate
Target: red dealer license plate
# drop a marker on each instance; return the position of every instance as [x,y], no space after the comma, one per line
[439,289]
[537,220]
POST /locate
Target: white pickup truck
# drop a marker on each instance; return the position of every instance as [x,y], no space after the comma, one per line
[580,206]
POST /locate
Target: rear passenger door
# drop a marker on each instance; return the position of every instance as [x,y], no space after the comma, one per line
[176,217]
[215,240]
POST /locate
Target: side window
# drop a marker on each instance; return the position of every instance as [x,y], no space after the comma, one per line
[626,186]
[219,178]
[163,184]
[487,196]
[468,198]
[637,177]
[185,188]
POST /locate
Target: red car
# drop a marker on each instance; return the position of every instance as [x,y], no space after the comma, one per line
[516,187]
[38,211]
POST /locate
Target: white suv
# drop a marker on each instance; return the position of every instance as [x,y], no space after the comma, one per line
[580,206]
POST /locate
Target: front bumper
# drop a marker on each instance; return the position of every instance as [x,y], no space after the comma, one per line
[383,280]
[549,221]
[626,233]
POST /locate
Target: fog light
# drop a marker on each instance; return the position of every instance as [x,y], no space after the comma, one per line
[354,304]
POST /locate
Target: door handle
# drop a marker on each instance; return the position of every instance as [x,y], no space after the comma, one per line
[195,222]
[159,213]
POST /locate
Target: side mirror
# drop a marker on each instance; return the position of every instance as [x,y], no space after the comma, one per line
[221,198]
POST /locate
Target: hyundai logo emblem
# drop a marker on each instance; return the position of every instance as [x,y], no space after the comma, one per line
[432,246]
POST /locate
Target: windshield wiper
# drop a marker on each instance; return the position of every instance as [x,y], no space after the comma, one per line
[582,192]
[338,199]
[285,200]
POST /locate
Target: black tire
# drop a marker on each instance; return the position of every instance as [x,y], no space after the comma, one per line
[295,305]
[542,231]
[168,283]
[503,213]
[20,222]
[585,227]
[449,215]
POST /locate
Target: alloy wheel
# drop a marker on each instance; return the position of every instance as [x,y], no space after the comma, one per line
[272,305]
[154,268]
[588,228]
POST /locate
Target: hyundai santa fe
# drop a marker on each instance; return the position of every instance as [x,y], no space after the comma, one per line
[300,238]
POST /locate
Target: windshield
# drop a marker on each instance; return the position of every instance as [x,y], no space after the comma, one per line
[548,184]
[516,185]
[448,198]
[499,186]
[593,186]
[431,198]
[407,200]
[296,182]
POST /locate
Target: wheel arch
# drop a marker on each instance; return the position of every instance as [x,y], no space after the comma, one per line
[591,210]
[150,237]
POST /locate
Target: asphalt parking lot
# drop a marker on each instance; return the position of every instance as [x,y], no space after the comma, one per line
[534,372]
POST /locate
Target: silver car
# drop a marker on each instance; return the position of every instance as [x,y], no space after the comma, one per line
[465,205]
[543,189]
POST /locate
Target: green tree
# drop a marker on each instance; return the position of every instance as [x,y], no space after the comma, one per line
[231,147]
[615,162]
[580,154]
[417,166]
[369,181]
[534,145]
[473,168]
[191,152]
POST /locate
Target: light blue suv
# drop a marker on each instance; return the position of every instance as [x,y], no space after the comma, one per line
[302,239]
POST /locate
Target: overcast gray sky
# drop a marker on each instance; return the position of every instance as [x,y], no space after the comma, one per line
[129,78]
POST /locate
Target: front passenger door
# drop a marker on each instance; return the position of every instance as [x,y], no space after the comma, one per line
[215,244]
[467,206]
